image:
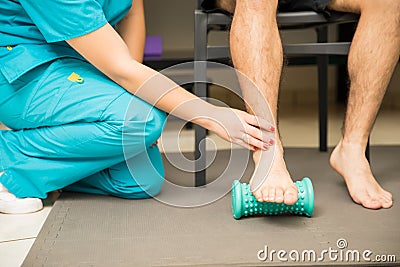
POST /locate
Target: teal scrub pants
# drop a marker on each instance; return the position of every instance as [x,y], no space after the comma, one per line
[77,135]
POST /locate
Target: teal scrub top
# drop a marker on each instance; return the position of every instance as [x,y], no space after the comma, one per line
[33,32]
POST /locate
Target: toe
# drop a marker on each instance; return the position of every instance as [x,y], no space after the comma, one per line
[386,198]
[265,193]
[258,195]
[371,203]
[290,196]
[387,204]
[278,195]
[388,195]
[271,195]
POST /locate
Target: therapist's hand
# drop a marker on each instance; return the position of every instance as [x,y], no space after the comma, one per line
[240,128]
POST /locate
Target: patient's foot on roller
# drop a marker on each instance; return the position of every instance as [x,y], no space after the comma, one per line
[349,161]
[278,186]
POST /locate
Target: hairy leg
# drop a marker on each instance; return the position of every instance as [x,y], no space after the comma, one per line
[372,59]
[256,50]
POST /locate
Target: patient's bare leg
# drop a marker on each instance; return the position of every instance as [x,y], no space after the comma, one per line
[257,52]
[373,56]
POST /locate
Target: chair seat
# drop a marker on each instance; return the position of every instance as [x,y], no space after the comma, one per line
[287,20]
[291,19]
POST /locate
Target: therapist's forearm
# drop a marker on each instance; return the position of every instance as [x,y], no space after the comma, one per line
[106,50]
[132,29]
[165,94]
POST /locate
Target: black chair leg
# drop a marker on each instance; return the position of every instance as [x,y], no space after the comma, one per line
[322,62]
[367,151]
[200,89]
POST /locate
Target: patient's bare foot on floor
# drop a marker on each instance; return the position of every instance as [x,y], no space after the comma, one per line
[350,162]
[277,186]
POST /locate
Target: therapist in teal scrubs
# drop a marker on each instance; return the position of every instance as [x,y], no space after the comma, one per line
[69,70]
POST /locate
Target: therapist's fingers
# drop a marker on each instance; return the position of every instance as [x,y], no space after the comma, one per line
[259,135]
[254,142]
[245,144]
[260,122]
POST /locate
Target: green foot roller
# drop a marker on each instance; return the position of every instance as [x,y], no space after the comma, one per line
[245,204]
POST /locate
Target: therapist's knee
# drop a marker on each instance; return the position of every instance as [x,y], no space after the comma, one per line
[149,189]
[138,122]
[146,127]
[152,188]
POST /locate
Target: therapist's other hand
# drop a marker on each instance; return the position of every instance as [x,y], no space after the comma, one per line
[240,128]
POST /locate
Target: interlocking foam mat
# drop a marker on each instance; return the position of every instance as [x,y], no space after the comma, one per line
[91,230]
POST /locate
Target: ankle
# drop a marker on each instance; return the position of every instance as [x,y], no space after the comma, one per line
[345,148]
[347,153]
[353,143]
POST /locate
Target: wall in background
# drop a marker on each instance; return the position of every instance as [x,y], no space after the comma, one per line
[173,20]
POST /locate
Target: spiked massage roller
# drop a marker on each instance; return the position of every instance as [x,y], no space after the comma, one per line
[245,204]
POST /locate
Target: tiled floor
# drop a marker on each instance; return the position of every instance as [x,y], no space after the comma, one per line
[18,232]
[299,128]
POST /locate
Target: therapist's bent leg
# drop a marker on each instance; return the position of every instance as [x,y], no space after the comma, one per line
[78,133]
[42,160]
[141,176]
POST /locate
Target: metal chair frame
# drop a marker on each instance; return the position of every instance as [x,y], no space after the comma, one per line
[206,22]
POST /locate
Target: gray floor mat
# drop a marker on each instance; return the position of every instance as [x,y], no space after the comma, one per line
[90,230]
